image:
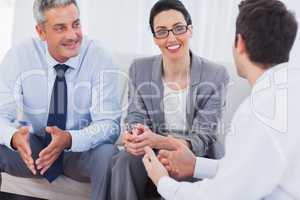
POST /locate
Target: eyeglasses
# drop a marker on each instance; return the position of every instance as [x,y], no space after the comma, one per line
[177,30]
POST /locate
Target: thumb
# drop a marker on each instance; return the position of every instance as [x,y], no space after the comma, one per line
[51,130]
[149,152]
[141,127]
[147,163]
[24,130]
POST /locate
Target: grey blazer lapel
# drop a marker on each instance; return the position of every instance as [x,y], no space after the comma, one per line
[157,91]
[195,79]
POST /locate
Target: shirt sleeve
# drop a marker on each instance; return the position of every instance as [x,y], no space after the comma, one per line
[252,167]
[205,168]
[105,110]
[10,97]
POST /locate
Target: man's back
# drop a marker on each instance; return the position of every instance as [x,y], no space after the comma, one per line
[264,137]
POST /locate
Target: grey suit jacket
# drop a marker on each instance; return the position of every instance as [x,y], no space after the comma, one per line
[205,102]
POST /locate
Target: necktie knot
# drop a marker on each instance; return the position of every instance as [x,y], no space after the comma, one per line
[61,70]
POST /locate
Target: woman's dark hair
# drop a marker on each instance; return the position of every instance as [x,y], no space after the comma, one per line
[269,30]
[164,5]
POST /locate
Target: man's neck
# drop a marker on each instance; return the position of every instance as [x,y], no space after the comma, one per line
[254,71]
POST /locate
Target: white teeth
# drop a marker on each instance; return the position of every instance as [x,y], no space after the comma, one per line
[69,45]
[173,47]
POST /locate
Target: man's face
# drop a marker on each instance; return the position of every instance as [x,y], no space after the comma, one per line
[62,32]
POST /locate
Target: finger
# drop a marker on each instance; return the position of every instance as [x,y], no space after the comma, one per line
[28,161]
[46,165]
[27,148]
[150,152]
[25,151]
[165,161]
[133,145]
[140,138]
[47,157]
[169,168]
[129,137]
[139,153]
[141,127]
[164,153]
[32,168]
[140,145]
[50,129]
[135,132]
[44,170]
[47,150]
[174,173]
[135,152]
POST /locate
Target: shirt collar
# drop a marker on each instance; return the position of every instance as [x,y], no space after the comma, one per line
[272,70]
[72,62]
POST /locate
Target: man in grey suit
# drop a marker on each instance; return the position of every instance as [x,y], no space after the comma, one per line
[176,94]
[57,85]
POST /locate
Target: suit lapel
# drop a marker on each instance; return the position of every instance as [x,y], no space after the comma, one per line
[196,67]
[157,93]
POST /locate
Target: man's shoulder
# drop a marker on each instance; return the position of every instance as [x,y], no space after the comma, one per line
[95,49]
[29,47]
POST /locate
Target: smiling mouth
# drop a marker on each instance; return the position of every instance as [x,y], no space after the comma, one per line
[71,45]
[173,47]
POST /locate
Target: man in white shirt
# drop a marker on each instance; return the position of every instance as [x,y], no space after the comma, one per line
[261,160]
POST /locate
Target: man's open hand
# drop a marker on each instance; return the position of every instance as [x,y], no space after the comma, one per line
[61,140]
[20,142]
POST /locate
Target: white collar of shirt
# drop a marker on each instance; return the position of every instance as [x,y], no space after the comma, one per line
[278,72]
[72,62]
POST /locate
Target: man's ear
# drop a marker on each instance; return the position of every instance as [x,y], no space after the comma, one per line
[40,29]
[240,44]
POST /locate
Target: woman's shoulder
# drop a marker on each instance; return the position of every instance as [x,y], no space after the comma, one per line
[210,69]
[146,61]
[144,65]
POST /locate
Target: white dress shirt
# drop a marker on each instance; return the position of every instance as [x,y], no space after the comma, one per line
[262,159]
[27,77]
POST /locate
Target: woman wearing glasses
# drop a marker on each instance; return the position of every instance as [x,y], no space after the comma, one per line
[177,94]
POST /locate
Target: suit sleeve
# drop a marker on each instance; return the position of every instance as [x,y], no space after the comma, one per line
[137,112]
[204,135]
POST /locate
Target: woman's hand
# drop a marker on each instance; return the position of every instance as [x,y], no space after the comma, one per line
[155,169]
[146,138]
[140,137]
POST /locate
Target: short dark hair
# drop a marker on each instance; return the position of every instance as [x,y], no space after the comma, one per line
[269,30]
[164,5]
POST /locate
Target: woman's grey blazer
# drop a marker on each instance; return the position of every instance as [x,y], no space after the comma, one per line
[205,102]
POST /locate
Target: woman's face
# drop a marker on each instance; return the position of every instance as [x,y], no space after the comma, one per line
[173,46]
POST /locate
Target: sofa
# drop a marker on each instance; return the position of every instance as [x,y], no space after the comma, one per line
[64,188]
